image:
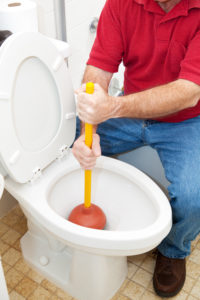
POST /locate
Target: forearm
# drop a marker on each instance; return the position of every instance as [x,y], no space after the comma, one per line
[96,75]
[159,101]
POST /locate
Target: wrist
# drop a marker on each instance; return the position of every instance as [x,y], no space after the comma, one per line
[116,106]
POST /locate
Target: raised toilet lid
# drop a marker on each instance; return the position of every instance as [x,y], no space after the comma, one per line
[37,108]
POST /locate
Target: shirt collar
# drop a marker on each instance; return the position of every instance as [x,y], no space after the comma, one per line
[194,4]
[181,9]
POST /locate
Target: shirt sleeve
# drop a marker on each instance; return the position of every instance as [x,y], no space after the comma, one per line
[107,50]
[190,66]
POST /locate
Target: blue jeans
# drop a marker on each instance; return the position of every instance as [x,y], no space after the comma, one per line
[178,146]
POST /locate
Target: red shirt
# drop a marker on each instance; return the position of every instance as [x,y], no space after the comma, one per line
[156,47]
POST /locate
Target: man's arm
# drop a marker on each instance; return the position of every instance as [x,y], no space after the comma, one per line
[86,156]
[159,101]
[93,74]
[149,104]
[97,75]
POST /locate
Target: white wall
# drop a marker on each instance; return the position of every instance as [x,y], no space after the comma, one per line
[79,15]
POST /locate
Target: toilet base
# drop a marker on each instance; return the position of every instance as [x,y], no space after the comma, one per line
[83,275]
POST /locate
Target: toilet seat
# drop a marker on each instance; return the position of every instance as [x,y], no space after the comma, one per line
[37,107]
[35,201]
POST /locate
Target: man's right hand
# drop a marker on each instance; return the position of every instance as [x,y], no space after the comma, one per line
[86,156]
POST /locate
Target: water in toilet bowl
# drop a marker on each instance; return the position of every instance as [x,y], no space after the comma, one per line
[126,204]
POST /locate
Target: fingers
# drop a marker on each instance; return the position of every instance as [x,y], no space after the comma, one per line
[86,156]
[96,145]
[87,108]
[93,108]
[81,89]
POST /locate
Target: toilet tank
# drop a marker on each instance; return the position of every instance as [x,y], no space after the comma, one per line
[147,160]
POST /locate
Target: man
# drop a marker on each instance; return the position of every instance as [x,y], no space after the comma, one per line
[159,43]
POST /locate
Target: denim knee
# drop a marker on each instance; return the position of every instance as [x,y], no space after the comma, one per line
[185,200]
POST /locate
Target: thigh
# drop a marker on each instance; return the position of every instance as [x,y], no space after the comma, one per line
[119,135]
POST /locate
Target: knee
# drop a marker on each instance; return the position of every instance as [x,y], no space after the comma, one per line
[185,199]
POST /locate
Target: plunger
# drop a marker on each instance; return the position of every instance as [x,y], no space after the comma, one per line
[87,214]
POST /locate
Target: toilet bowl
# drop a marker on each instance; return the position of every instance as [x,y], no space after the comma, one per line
[37,111]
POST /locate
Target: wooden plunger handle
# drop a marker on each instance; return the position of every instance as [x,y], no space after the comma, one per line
[88,142]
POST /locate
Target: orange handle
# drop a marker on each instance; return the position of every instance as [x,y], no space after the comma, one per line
[88,142]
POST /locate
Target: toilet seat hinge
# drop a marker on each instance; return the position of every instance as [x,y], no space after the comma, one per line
[63,151]
[36,174]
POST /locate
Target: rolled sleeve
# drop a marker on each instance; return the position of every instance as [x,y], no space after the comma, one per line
[190,66]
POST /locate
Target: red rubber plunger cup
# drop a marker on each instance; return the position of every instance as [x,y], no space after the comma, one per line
[87,214]
[92,217]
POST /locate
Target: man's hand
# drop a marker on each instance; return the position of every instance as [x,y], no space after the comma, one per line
[95,108]
[86,156]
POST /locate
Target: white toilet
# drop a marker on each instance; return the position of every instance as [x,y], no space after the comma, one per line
[37,127]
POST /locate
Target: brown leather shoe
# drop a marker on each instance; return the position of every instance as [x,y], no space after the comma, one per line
[169,275]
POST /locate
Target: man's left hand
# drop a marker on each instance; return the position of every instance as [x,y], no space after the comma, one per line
[95,108]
